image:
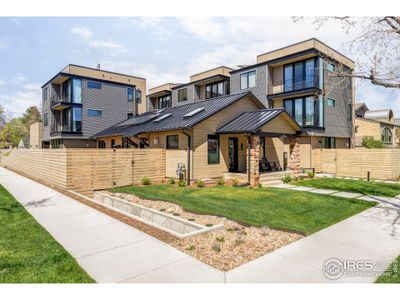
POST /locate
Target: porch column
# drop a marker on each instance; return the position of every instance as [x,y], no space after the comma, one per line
[254,143]
[294,159]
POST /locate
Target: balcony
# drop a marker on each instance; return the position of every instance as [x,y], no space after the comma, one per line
[57,103]
[286,89]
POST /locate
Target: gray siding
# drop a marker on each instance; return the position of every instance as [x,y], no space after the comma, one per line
[46,109]
[190,93]
[260,90]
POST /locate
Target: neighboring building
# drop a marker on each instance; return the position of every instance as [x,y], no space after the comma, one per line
[160,97]
[35,135]
[80,101]
[379,124]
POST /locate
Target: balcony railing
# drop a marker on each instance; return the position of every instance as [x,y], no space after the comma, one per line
[288,86]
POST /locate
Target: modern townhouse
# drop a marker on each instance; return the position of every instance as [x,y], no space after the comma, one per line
[160,97]
[81,101]
[379,124]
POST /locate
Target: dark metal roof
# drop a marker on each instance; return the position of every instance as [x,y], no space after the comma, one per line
[177,119]
[251,122]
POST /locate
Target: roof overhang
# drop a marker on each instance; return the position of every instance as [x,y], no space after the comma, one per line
[160,94]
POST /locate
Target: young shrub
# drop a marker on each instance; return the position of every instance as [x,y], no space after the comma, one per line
[176,214]
[162,209]
[220,239]
[200,183]
[181,183]
[235,182]
[209,225]
[371,142]
[239,241]
[191,220]
[171,180]
[190,248]
[146,181]
[259,185]
[221,181]
[287,178]
[216,247]
[310,174]
[265,231]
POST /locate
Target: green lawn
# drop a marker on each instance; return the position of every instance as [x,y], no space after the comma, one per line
[394,273]
[276,208]
[28,253]
[355,186]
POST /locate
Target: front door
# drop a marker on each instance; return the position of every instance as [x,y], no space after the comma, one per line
[233,155]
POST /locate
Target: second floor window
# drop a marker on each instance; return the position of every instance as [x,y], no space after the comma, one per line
[304,110]
[330,102]
[247,80]
[164,102]
[182,95]
[215,90]
[94,112]
[130,95]
[138,96]
[45,93]
[76,90]
[94,85]
[76,119]
[45,119]
[300,75]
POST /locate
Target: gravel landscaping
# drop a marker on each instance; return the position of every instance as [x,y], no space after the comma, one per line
[225,248]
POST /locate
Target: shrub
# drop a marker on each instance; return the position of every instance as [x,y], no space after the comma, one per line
[235,182]
[221,181]
[371,142]
[200,183]
[181,183]
[176,214]
[146,181]
[239,241]
[310,174]
[259,185]
[209,225]
[191,220]
[265,231]
[216,247]
[190,248]
[171,180]
[287,178]
[162,209]
[220,239]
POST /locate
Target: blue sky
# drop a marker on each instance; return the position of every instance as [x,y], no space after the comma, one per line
[32,50]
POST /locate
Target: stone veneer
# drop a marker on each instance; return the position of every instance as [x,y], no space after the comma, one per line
[294,159]
[254,160]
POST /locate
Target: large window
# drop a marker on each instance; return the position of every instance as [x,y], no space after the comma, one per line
[164,102]
[386,135]
[94,112]
[76,119]
[247,80]
[130,94]
[94,85]
[304,110]
[215,90]
[76,90]
[213,149]
[45,119]
[138,96]
[65,91]
[300,75]
[172,142]
[328,142]
[45,93]
[182,95]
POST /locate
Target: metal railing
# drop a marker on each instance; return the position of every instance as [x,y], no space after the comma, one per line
[290,86]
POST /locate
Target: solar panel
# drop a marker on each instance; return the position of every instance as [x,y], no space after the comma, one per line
[194,112]
[160,118]
[138,120]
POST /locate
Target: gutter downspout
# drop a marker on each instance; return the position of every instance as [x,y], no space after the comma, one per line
[188,155]
[248,158]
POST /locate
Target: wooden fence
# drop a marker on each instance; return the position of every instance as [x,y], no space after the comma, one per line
[86,170]
[381,163]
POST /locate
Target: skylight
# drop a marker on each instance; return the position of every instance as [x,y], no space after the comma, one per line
[194,112]
[162,118]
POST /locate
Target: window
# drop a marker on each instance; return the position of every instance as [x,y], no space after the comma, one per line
[65,91]
[330,67]
[129,115]
[331,102]
[101,144]
[45,93]
[356,128]
[215,90]
[138,96]
[300,75]
[130,95]
[328,142]
[77,119]
[94,112]
[94,85]
[76,90]
[46,119]
[172,142]
[112,143]
[182,95]
[386,135]
[248,80]
[213,149]
[350,112]
[164,102]
[304,110]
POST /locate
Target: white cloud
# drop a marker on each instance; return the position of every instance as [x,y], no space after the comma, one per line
[82,32]
[109,44]
[4,42]
[18,79]
[156,25]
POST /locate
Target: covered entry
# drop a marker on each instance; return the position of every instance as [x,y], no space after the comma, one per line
[272,142]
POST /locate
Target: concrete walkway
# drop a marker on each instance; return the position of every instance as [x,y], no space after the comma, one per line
[111,251]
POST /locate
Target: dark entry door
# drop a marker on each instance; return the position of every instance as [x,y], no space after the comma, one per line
[233,155]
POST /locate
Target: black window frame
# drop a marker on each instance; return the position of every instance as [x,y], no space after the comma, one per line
[330,99]
[210,94]
[247,74]
[168,146]
[130,115]
[304,114]
[304,79]
[213,137]
[164,101]
[328,142]
[330,64]
[95,110]
[138,96]
[390,135]
[45,94]
[94,85]
[45,119]
[101,144]
[179,95]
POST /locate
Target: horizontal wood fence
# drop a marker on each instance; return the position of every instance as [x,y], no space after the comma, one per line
[86,170]
[381,163]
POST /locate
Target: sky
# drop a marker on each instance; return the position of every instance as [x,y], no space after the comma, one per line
[162,50]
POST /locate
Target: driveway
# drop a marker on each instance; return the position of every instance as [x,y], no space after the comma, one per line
[111,251]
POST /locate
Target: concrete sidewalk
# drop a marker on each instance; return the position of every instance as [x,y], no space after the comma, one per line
[109,250]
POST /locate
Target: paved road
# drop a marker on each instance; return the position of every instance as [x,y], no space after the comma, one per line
[111,251]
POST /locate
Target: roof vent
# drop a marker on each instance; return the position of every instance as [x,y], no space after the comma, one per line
[160,118]
[98,66]
[194,112]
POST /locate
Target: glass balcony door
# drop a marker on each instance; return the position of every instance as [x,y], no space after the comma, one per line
[300,75]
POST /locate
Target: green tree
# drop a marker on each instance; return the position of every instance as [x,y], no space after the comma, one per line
[31,115]
[13,131]
[371,142]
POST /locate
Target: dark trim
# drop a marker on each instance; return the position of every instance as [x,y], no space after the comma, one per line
[316,109]
[166,142]
[304,74]
[306,91]
[65,132]
[197,81]
[219,149]
[111,72]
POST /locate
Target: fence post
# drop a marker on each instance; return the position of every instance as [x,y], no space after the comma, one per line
[368,175]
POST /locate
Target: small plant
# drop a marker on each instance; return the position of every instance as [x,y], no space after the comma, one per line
[191,220]
[171,180]
[287,178]
[216,247]
[235,182]
[310,174]
[181,183]
[243,232]
[239,241]
[233,229]
[163,209]
[163,180]
[265,231]
[200,183]
[220,239]
[259,185]
[146,181]
[221,181]
[301,178]
[398,178]
[371,142]
[176,214]
[209,225]
[190,248]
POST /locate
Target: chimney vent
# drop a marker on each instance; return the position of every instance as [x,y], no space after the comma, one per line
[98,66]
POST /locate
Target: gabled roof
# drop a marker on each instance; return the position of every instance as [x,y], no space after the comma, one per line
[358,106]
[251,122]
[177,119]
